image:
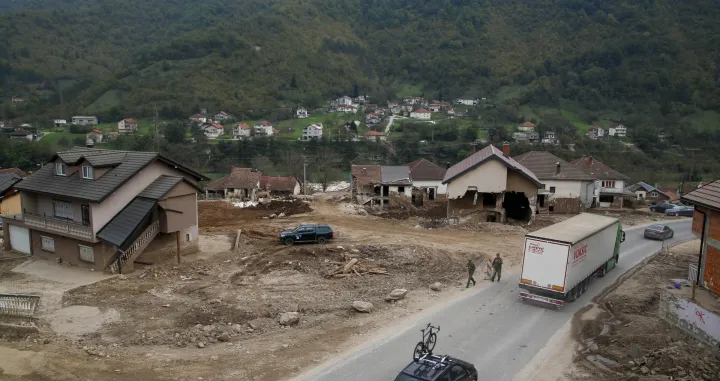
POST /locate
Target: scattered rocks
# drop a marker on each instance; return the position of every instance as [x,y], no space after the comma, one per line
[644,370]
[437,286]
[223,337]
[396,294]
[238,328]
[361,306]
[281,215]
[636,352]
[200,344]
[214,358]
[289,318]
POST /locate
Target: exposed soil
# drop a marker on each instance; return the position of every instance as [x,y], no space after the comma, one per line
[214,214]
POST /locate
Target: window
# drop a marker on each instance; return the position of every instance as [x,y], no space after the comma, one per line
[85,211]
[60,169]
[48,244]
[63,209]
[187,237]
[654,194]
[87,172]
[86,254]
[608,184]
[401,189]
[457,373]
[552,189]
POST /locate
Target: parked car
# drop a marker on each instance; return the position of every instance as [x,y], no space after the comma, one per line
[681,211]
[662,232]
[308,233]
[661,208]
[429,370]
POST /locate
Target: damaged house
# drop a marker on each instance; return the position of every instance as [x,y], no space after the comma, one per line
[567,189]
[428,177]
[609,184]
[241,183]
[492,183]
[276,186]
[375,184]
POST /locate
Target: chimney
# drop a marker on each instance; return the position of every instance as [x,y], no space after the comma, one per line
[506,149]
[557,168]
[590,160]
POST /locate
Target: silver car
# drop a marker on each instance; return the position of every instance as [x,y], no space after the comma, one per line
[661,232]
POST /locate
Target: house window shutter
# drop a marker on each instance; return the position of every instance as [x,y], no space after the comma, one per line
[86,253]
[48,244]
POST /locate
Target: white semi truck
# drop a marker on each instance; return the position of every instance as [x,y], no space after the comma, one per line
[561,260]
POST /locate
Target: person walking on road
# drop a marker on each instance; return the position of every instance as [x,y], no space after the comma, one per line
[471,271]
[497,267]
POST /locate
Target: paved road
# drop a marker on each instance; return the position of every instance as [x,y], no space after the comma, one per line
[389,125]
[491,327]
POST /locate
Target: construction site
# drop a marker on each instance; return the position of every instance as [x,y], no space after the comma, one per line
[244,306]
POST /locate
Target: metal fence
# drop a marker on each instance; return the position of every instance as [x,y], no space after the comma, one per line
[18,304]
[692,273]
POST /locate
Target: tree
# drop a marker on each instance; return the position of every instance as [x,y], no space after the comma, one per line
[175,132]
[325,164]
[293,82]
[356,91]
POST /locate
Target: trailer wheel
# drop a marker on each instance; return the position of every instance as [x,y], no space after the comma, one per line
[571,295]
[585,284]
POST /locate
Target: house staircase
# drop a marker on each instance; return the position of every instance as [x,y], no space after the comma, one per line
[124,262]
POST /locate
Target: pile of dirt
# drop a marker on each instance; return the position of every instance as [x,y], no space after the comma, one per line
[221,213]
[628,340]
[401,208]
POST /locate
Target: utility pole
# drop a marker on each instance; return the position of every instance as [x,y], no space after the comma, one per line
[304,179]
[691,170]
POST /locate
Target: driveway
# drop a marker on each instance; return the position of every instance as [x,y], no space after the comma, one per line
[489,327]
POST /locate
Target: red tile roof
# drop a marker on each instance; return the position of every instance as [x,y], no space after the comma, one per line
[244,126]
[218,125]
[423,170]
[130,120]
[239,178]
[544,165]
[597,169]
[266,123]
[366,174]
[275,183]
[374,133]
[97,131]
[422,111]
[488,153]
[16,171]
[528,124]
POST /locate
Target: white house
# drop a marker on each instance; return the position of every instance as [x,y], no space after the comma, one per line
[241,130]
[609,183]
[527,127]
[561,180]
[595,132]
[313,131]
[618,130]
[223,116]
[467,102]
[213,130]
[84,120]
[127,126]
[374,136]
[60,122]
[421,113]
[345,100]
[428,177]
[96,135]
[550,138]
[344,108]
[301,113]
[264,128]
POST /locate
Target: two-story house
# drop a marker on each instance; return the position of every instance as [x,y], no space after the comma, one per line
[127,126]
[84,120]
[527,127]
[241,131]
[301,113]
[595,132]
[609,183]
[618,130]
[222,115]
[312,132]
[213,130]
[100,209]
[264,128]
[59,122]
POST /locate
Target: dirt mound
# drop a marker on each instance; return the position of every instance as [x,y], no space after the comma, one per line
[221,213]
[402,210]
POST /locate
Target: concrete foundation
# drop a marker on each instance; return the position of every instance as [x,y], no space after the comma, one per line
[677,309]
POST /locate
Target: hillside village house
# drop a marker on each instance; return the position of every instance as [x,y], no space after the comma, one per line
[375,184]
[222,115]
[345,100]
[84,120]
[101,209]
[96,135]
[21,134]
[646,192]
[595,132]
[264,128]
[567,189]
[301,113]
[491,183]
[706,226]
[374,136]
[242,130]
[618,130]
[466,101]
[421,114]
[427,177]
[609,183]
[372,118]
[213,130]
[312,132]
[198,119]
[17,100]
[520,136]
[127,126]
[277,186]
[59,122]
[527,127]
[10,204]
[437,106]
[550,138]
[242,183]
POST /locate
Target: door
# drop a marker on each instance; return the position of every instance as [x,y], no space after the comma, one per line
[20,239]
[85,214]
[305,235]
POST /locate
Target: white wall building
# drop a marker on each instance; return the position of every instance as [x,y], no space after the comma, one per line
[421,114]
[467,102]
[241,130]
[313,131]
[84,120]
[264,128]
[618,130]
[301,113]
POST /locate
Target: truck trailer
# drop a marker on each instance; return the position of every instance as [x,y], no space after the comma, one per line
[562,259]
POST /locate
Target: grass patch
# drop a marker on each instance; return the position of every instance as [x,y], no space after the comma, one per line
[108,100]
[703,120]
[408,90]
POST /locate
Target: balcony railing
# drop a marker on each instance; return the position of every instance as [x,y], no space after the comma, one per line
[66,227]
[611,190]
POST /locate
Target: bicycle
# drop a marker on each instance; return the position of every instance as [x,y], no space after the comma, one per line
[427,344]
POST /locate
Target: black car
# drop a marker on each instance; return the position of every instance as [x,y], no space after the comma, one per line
[308,233]
[438,368]
[661,208]
[661,232]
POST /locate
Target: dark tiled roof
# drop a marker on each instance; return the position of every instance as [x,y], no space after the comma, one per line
[160,187]
[366,174]
[485,154]
[276,183]
[239,178]
[16,171]
[544,165]
[395,175]
[597,169]
[128,163]
[423,170]
[121,227]
[7,180]
[708,195]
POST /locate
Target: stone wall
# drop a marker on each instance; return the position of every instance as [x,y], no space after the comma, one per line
[690,317]
[566,205]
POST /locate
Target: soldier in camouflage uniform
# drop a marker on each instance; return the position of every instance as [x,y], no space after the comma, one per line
[471,271]
[497,267]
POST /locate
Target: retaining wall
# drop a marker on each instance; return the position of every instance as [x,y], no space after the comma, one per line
[690,317]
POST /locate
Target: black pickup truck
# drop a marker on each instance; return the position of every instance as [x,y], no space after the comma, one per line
[308,233]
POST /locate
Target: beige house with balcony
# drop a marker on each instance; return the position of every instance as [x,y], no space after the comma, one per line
[101,209]
[609,184]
